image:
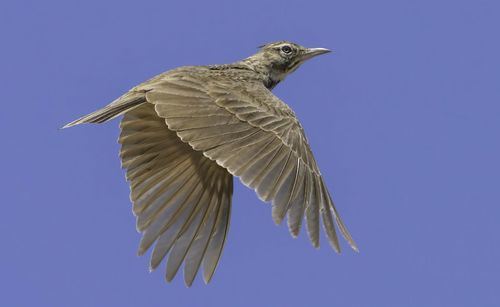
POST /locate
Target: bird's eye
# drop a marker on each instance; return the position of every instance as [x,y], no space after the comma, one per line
[286,49]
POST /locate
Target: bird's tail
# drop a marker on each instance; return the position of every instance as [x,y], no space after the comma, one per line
[118,107]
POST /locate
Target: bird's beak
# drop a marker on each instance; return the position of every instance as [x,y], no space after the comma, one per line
[312,52]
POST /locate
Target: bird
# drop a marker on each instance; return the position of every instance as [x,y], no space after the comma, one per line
[187,132]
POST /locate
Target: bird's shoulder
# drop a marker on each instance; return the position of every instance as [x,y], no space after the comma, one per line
[218,72]
[222,82]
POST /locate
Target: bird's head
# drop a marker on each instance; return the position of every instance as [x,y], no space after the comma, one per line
[278,59]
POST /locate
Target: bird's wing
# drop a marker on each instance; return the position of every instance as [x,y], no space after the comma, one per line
[182,199]
[255,136]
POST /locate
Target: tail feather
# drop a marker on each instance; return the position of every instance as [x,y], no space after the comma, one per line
[114,109]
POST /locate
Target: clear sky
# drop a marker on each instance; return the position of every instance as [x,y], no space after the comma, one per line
[403,120]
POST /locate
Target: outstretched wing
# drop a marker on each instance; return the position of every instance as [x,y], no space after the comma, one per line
[255,136]
[182,199]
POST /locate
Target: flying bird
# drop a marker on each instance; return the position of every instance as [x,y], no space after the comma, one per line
[185,133]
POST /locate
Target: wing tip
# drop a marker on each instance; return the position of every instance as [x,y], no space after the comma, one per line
[353,245]
[207,277]
[168,278]
[140,252]
[71,124]
[335,246]
[277,218]
[189,283]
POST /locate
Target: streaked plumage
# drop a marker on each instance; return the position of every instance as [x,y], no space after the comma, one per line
[187,132]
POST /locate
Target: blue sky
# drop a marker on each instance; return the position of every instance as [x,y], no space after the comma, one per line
[403,120]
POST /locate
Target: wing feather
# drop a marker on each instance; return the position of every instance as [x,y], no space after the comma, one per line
[178,194]
[216,244]
[195,254]
[254,135]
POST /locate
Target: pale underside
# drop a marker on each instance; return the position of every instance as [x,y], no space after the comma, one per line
[181,149]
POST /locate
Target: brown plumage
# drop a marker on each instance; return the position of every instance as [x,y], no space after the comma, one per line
[188,131]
